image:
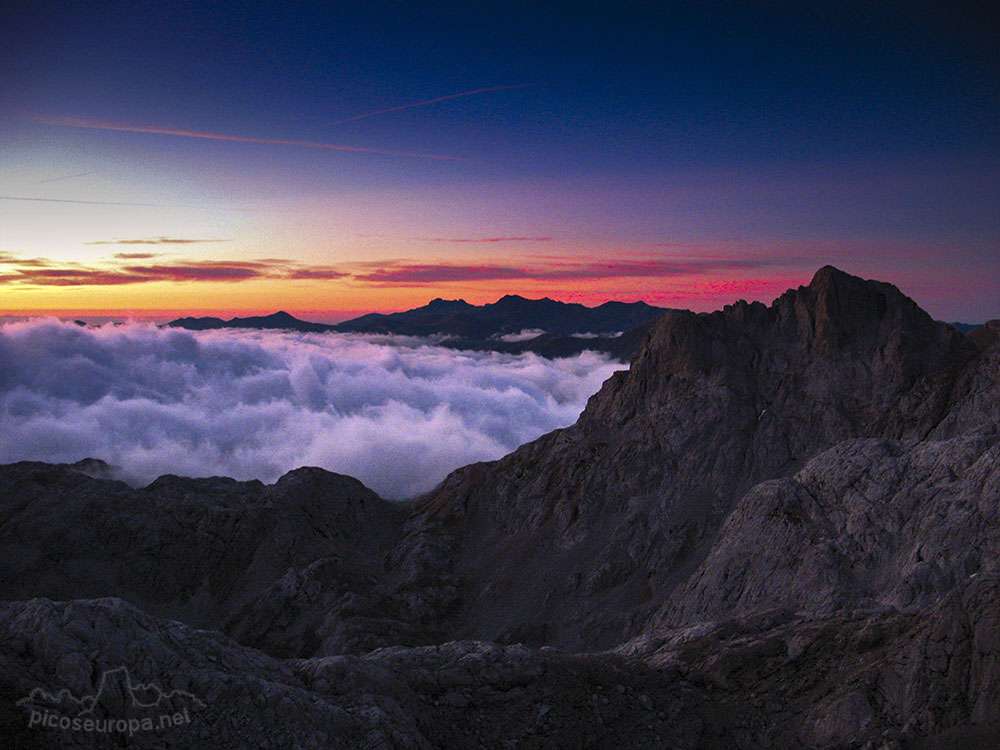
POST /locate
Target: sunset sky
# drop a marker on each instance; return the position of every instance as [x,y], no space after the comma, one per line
[335,158]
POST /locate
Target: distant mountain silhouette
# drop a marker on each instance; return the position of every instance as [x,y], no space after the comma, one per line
[481,327]
[966,327]
[510,314]
[278,321]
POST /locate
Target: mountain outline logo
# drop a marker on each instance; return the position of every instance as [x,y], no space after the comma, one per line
[89,702]
[64,710]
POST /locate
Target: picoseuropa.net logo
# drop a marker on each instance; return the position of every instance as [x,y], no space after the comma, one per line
[118,706]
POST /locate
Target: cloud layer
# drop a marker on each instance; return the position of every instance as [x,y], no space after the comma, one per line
[396,413]
[404,273]
[45,272]
[155,241]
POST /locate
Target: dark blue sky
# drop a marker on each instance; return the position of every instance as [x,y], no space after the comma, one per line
[743,83]
[867,133]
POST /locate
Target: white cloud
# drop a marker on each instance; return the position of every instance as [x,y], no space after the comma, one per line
[398,414]
[525,335]
[597,335]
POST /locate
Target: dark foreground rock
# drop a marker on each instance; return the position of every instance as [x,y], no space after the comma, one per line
[779,528]
[456,695]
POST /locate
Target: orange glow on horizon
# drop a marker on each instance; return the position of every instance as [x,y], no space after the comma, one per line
[341,300]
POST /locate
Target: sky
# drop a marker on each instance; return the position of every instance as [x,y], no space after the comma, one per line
[337,158]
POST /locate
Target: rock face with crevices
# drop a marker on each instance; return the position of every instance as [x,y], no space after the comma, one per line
[779,528]
[868,524]
[613,513]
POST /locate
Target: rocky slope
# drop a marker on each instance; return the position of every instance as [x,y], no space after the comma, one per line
[778,528]
[613,513]
[457,695]
[285,567]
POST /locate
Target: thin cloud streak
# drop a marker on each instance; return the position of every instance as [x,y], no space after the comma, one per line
[481,239]
[44,272]
[426,273]
[79,122]
[417,274]
[156,241]
[89,276]
[402,272]
[64,177]
[13,259]
[140,205]
[86,203]
[427,102]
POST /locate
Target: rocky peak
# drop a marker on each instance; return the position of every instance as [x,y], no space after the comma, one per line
[856,342]
[847,312]
[441,305]
[510,301]
[986,335]
[318,480]
[347,508]
[618,507]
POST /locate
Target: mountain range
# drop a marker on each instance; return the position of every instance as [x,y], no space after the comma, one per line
[777,528]
[512,324]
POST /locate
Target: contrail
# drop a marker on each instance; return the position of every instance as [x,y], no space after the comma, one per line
[88,203]
[439,99]
[79,122]
[64,177]
[125,203]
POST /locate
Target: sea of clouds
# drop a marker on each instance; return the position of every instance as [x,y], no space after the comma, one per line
[397,413]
